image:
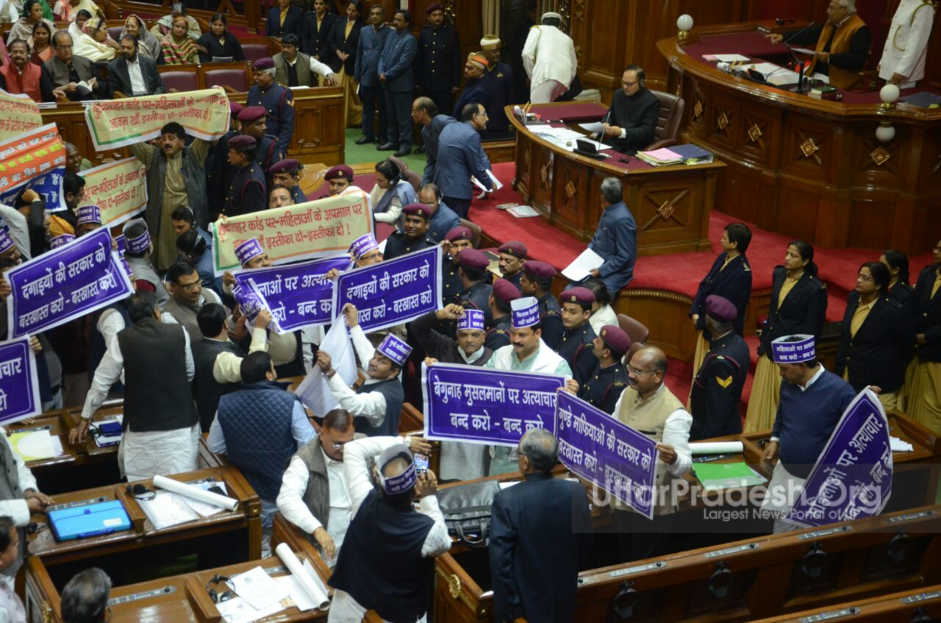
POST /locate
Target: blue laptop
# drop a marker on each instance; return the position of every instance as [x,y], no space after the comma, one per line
[79,522]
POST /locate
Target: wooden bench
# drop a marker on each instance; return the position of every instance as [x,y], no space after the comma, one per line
[915,606]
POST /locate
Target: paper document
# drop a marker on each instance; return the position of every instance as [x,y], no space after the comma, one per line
[258,589]
[36,444]
[899,445]
[581,267]
[167,509]
[497,185]
[314,390]
[594,128]
[725,58]
[237,610]
[521,211]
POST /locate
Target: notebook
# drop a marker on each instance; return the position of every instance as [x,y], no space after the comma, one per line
[79,522]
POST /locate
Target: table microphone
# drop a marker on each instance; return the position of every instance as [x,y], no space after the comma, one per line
[607,117]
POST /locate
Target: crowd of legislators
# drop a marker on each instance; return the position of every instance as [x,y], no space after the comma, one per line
[379,527]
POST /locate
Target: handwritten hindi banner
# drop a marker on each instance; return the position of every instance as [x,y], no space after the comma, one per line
[19,386]
[599,448]
[36,160]
[494,407]
[393,291]
[121,122]
[18,114]
[852,478]
[118,188]
[65,283]
[320,228]
[298,295]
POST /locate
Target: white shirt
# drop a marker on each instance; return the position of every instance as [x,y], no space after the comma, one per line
[17,509]
[11,607]
[604,315]
[675,434]
[549,54]
[321,69]
[474,356]
[111,369]
[111,322]
[138,87]
[543,361]
[906,47]
[19,232]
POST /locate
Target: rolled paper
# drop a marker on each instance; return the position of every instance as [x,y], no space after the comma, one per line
[195,493]
[716,447]
[313,586]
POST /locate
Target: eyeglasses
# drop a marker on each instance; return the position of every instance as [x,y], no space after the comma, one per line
[189,286]
[629,84]
[637,372]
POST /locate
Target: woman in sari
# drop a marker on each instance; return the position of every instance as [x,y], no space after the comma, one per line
[23,27]
[390,194]
[42,43]
[178,48]
[147,43]
[94,42]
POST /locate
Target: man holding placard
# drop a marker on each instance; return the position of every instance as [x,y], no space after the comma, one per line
[812,402]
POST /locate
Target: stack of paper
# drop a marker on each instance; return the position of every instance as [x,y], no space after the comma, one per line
[725,58]
[259,596]
[33,445]
[660,157]
[497,185]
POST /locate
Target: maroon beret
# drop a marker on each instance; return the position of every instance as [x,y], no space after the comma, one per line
[340,170]
[287,165]
[265,62]
[539,269]
[616,339]
[721,308]
[515,248]
[473,258]
[505,290]
[251,113]
[434,6]
[235,108]
[461,232]
[577,294]
[242,142]
[418,208]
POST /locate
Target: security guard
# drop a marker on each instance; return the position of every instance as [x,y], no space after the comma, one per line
[457,239]
[472,268]
[338,178]
[246,192]
[717,388]
[287,173]
[537,281]
[277,100]
[439,58]
[577,336]
[607,381]
[499,84]
[512,256]
[217,179]
[254,124]
[498,332]
[413,236]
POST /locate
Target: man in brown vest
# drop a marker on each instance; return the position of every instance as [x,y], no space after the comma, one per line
[842,44]
[650,408]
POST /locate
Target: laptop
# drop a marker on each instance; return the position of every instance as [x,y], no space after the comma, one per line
[79,522]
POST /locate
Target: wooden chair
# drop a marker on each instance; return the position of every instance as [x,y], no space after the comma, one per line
[637,331]
[410,176]
[233,77]
[668,120]
[175,78]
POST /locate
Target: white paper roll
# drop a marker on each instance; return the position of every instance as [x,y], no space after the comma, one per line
[312,585]
[716,447]
[195,493]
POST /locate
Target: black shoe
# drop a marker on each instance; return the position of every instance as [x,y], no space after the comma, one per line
[419,150]
[362,140]
[404,151]
[385,147]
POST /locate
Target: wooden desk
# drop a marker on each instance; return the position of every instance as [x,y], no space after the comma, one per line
[88,465]
[226,537]
[178,598]
[811,169]
[670,204]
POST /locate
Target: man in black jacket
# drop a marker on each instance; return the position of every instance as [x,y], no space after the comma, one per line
[213,323]
[630,123]
[439,60]
[133,74]
[534,538]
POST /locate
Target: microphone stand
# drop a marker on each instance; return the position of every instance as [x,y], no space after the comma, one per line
[799,65]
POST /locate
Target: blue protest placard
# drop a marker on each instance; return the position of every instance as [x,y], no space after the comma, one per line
[495,407]
[19,387]
[615,457]
[393,291]
[298,295]
[852,478]
[65,283]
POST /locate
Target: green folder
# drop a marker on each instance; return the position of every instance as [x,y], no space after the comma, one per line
[714,476]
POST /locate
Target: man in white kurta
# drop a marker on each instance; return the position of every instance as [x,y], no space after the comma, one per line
[549,60]
[906,47]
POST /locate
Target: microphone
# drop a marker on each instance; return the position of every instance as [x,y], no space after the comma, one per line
[604,120]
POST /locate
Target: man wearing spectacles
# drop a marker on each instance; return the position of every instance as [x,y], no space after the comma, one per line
[650,408]
[187,297]
[630,122]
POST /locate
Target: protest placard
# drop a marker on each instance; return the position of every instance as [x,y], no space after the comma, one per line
[121,122]
[322,228]
[119,189]
[19,386]
[36,160]
[18,114]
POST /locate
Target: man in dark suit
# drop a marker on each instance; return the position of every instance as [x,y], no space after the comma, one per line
[397,81]
[212,319]
[425,114]
[284,18]
[534,538]
[615,239]
[72,77]
[632,118]
[133,74]
[439,58]
[277,100]
[460,155]
[372,38]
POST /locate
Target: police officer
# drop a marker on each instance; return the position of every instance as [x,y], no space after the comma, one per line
[287,173]
[439,58]
[498,333]
[607,381]
[277,100]
[537,281]
[339,178]
[254,124]
[472,268]
[512,256]
[413,235]
[217,180]
[246,192]
[456,240]
[717,388]
[577,336]
[499,84]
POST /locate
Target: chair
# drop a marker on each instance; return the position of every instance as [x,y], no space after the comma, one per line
[410,176]
[115,31]
[232,80]
[254,51]
[637,331]
[180,80]
[668,121]
[475,231]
